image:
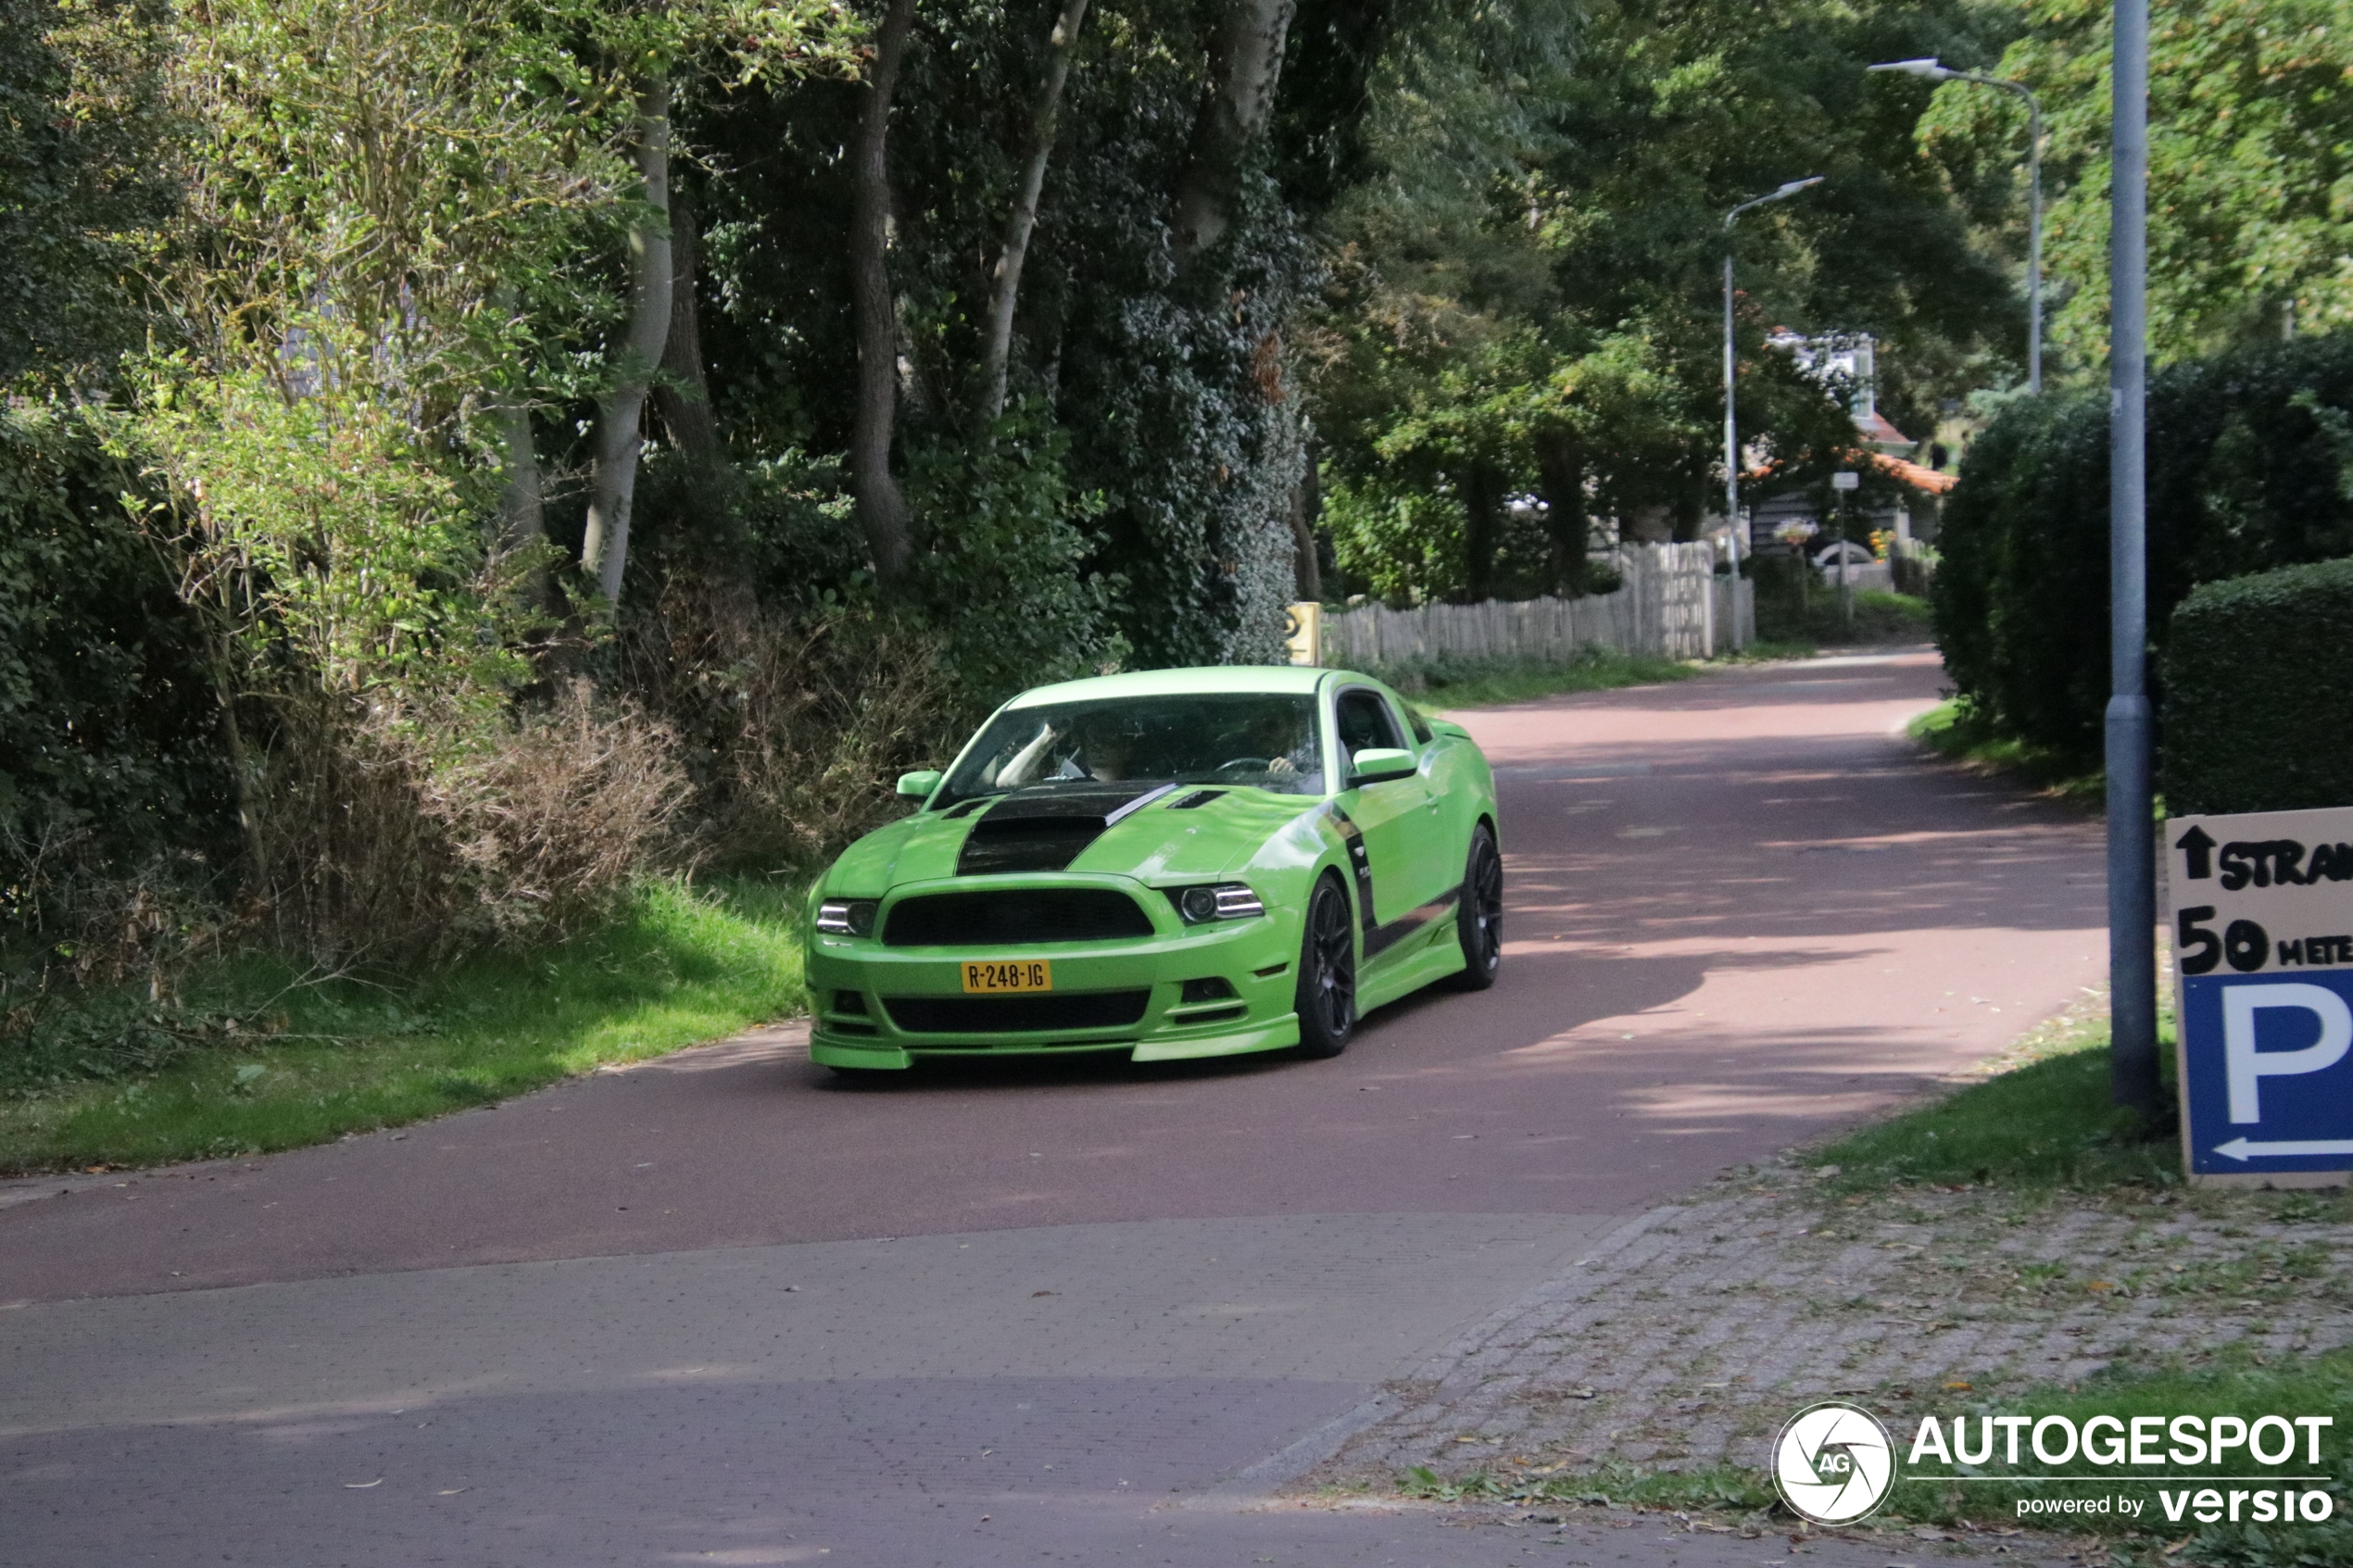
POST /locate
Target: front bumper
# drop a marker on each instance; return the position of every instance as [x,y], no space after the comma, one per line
[852,982]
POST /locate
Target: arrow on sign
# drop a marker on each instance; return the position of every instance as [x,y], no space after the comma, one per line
[2198,848]
[2243,1149]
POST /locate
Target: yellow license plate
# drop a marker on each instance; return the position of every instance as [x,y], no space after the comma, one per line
[1022,975]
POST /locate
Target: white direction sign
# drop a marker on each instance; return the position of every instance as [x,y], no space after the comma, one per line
[2262,911]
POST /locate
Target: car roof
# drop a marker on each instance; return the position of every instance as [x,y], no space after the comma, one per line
[1267,679]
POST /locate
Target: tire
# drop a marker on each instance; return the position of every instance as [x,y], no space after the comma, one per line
[1479,920]
[1327,995]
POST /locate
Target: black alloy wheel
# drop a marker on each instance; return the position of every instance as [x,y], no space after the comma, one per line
[1327,999]
[1479,921]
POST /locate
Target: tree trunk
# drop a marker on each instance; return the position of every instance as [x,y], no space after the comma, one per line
[882,510]
[521,511]
[1306,502]
[1482,503]
[1245,63]
[613,482]
[521,514]
[1560,475]
[994,364]
[682,395]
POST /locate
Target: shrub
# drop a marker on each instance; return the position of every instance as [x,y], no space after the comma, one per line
[2250,469]
[393,832]
[551,819]
[2259,707]
[1793,604]
[793,723]
[108,717]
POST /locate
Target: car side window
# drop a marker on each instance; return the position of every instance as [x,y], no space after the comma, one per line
[1422,732]
[1365,723]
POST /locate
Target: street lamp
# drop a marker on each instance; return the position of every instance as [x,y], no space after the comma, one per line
[1731,426]
[1934,72]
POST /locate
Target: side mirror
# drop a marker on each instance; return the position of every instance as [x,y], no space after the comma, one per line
[919,784]
[1377,763]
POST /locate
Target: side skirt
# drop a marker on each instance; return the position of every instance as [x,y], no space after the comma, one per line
[1408,970]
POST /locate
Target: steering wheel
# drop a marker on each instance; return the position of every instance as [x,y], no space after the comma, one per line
[1260,763]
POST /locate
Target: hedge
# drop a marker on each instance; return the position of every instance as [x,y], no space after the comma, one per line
[2259,701]
[2250,455]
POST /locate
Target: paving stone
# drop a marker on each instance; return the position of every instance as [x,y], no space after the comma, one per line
[1782,1294]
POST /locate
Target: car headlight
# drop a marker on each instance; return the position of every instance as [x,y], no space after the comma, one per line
[847,917]
[1223,900]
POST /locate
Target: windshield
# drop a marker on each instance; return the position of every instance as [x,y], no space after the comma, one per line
[1267,742]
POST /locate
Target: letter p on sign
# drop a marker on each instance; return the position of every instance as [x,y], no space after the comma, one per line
[2245,1067]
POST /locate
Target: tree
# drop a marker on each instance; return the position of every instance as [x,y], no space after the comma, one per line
[1558,184]
[1022,221]
[604,552]
[881,509]
[2252,143]
[81,191]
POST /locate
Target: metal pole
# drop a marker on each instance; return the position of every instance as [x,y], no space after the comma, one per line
[1731,447]
[1731,428]
[2131,883]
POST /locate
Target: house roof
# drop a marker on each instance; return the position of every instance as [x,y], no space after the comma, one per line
[1875,429]
[1918,476]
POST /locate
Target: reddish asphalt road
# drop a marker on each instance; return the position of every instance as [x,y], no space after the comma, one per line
[1742,910]
[723,1309]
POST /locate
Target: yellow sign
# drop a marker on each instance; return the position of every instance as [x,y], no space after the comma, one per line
[1020,974]
[1303,633]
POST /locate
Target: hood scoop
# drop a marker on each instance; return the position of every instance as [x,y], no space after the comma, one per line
[1046,830]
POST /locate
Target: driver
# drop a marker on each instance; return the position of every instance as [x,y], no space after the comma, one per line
[1276,737]
[1109,750]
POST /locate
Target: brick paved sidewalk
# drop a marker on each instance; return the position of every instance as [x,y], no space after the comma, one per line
[1684,1339]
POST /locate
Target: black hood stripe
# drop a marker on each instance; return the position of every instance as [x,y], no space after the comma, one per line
[1045,830]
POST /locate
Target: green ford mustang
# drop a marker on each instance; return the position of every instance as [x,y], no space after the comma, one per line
[1175,863]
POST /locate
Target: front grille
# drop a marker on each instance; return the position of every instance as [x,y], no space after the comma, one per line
[1010,1015]
[1014,917]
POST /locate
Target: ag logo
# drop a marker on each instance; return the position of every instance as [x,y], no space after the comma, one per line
[1833,1463]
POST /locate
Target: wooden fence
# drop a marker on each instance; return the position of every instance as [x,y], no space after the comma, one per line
[1671,604]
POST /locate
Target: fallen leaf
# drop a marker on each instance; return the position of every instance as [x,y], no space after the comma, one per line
[1035,1294]
[1958,1387]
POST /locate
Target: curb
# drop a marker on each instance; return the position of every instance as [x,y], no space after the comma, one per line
[1258,1483]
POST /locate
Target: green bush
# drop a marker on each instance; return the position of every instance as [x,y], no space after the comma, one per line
[2258,708]
[2250,468]
[1793,604]
[107,718]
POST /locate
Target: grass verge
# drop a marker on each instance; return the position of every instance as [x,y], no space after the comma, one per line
[1953,731]
[681,966]
[2042,1123]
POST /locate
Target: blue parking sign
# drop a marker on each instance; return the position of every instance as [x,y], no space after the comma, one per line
[2261,910]
[2266,1075]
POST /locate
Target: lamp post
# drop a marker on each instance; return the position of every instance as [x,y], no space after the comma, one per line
[1934,72]
[1731,425]
[2131,891]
